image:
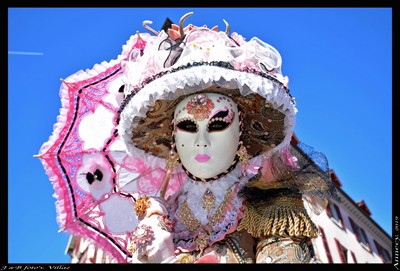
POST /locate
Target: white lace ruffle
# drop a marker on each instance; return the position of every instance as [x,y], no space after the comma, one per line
[65,114]
[80,76]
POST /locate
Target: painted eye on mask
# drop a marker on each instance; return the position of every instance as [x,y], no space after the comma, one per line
[217,125]
[187,126]
[218,122]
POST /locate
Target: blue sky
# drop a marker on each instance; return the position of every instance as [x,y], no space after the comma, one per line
[338,60]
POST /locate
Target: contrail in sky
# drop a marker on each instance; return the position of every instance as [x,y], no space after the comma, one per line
[25,53]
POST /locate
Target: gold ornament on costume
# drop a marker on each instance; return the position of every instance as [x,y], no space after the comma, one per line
[202,239]
[172,160]
[141,205]
[186,258]
[201,232]
[132,248]
[208,200]
[243,156]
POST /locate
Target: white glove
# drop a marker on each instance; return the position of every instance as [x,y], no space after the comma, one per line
[161,246]
[158,245]
[157,206]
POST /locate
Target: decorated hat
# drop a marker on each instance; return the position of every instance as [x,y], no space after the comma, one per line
[168,66]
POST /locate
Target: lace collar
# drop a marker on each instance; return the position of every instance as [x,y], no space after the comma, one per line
[206,212]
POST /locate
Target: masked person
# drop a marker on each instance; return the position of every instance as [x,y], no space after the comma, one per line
[216,113]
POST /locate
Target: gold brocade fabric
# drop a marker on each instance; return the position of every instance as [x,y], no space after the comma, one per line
[278,249]
[241,247]
[277,230]
[237,247]
[280,216]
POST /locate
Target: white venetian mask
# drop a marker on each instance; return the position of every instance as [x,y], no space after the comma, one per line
[207,133]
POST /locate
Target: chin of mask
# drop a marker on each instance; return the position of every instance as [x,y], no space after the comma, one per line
[207,133]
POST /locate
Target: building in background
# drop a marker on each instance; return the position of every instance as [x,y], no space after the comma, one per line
[348,234]
[85,251]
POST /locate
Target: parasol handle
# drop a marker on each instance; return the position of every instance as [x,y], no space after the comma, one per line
[172,161]
[165,183]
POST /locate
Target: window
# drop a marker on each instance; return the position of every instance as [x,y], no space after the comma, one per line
[383,253]
[360,233]
[342,251]
[354,257]
[327,251]
[333,211]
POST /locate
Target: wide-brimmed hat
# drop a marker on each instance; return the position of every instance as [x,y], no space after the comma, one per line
[171,65]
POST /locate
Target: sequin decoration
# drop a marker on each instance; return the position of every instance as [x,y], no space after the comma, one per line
[200,107]
[141,205]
